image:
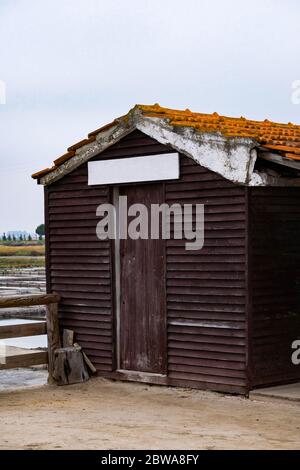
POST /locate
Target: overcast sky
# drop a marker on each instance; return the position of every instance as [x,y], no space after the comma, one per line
[72,65]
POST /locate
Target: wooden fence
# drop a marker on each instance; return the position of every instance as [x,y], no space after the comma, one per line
[49,327]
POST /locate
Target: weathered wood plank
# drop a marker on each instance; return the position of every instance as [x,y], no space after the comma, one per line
[89,364]
[68,338]
[24,360]
[132,376]
[26,329]
[53,338]
[28,300]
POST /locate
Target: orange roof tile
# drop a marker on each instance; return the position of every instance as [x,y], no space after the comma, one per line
[275,137]
[64,158]
[82,143]
[269,134]
[41,173]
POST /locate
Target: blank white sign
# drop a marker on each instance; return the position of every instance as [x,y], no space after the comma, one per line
[134,169]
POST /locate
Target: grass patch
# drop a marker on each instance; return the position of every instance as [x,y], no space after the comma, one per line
[8,262]
[26,250]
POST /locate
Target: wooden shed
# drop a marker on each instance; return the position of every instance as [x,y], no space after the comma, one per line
[223,317]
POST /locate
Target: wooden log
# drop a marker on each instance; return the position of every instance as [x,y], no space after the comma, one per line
[70,367]
[23,329]
[28,300]
[68,338]
[53,339]
[88,362]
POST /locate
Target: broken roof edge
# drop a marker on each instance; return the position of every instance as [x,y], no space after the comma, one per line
[230,156]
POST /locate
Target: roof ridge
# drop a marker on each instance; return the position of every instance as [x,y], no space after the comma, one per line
[188,112]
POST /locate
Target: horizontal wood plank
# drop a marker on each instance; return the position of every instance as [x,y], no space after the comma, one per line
[23,329]
[24,360]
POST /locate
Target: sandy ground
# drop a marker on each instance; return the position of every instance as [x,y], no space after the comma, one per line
[112,415]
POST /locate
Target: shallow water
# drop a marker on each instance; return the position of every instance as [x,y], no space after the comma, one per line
[29,342]
[12,379]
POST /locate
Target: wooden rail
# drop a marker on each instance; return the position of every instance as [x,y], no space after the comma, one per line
[50,327]
[28,300]
[23,329]
[24,359]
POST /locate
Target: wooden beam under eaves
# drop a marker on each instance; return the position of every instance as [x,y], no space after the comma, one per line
[276,158]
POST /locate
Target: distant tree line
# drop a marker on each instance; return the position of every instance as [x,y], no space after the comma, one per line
[40,232]
[14,238]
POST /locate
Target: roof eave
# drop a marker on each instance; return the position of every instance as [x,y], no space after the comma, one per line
[232,158]
[279,159]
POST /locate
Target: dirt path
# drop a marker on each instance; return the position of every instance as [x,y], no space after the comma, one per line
[109,415]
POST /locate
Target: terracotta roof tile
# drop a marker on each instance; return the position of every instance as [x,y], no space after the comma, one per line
[283,148]
[82,143]
[41,173]
[282,138]
[273,136]
[64,158]
[103,128]
[293,156]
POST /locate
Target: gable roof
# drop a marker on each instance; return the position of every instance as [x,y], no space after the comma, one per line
[275,138]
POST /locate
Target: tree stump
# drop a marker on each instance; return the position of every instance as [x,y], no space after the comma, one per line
[70,366]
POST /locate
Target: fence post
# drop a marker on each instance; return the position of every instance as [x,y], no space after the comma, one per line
[53,338]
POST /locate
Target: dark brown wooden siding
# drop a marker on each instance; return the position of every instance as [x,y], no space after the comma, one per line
[275,280]
[206,288]
[80,265]
[206,292]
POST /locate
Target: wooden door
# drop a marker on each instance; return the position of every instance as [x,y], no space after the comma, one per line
[142,297]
